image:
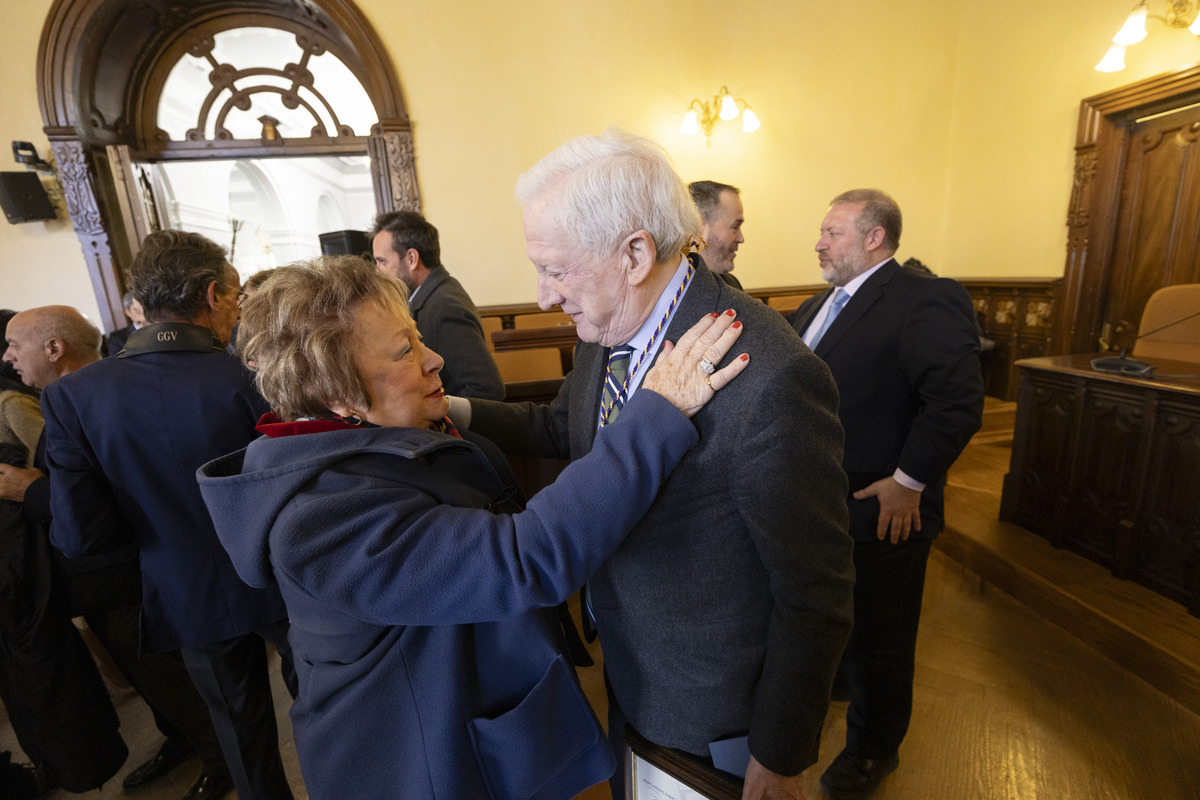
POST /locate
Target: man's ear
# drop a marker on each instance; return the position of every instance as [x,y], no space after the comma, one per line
[875,238]
[638,256]
[55,349]
[410,260]
[211,295]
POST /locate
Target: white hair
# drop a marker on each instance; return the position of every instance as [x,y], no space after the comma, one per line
[611,186]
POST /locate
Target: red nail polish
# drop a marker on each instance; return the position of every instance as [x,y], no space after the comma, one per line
[729,313]
[737,324]
[744,356]
[714,315]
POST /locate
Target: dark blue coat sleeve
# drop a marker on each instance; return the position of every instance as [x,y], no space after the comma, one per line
[392,555]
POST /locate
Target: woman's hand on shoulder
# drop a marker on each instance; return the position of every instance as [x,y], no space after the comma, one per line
[685,372]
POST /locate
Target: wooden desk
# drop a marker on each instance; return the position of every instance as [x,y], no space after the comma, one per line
[1109,466]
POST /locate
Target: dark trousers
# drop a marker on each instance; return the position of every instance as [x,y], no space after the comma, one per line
[232,678]
[110,600]
[162,681]
[879,660]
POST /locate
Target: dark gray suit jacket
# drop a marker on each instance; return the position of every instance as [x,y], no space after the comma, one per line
[905,354]
[449,323]
[727,608]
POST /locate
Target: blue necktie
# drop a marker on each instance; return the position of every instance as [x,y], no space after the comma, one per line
[614,379]
[840,296]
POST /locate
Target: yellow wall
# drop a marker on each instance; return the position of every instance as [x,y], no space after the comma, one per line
[964,109]
[516,80]
[1023,66]
[41,263]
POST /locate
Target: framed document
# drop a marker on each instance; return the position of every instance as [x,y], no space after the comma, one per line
[659,773]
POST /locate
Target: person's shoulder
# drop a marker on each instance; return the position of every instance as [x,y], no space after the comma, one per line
[763,323]
[92,375]
[448,290]
[921,281]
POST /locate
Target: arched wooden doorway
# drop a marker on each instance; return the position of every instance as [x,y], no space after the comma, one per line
[1134,218]
[102,65]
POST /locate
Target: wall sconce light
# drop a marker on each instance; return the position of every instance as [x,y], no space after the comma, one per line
[1180,14]
[724,106]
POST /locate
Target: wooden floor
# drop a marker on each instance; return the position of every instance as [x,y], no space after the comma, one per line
[1008,705]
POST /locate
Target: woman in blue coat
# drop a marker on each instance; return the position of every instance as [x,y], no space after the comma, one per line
[428,667]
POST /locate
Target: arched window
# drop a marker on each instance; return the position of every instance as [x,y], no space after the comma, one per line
[211,79]
[262,83]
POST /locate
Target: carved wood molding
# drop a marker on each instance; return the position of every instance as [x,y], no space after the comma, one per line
[80,191]
[1092,214]
[92,94]
[394,166]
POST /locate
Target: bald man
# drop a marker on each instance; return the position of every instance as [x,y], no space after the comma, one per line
[43,345]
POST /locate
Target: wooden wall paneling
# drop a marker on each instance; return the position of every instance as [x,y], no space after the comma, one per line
[1018,315]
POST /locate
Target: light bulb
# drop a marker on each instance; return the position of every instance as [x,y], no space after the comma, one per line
[750,121]
[729,108]
[1114,59]
[1134,29]
[690,126]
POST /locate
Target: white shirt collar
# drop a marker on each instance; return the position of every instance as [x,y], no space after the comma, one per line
[854,285]
[642,337]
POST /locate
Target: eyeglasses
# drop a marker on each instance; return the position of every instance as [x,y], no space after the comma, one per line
[242,298]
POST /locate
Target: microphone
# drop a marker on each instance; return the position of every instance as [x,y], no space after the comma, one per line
[1121,365]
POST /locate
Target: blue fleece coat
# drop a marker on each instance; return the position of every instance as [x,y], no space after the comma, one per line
[426,666]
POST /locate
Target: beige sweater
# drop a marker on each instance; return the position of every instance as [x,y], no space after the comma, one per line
[20,421]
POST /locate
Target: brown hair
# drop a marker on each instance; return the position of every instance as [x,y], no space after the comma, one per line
[879,211]
[297,333]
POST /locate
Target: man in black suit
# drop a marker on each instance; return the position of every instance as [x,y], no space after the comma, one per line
[114,474]
[725,611]
[721,217]
[406,246]
[904,352]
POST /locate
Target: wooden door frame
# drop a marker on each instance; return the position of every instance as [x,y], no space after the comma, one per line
[93,95]
[1092,217]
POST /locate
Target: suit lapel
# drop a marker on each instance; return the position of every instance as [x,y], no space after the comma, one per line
[588,374]
[857,307]
[436,277]
[806,312]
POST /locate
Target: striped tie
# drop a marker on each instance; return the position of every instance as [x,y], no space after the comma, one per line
[840,296]
[614,380]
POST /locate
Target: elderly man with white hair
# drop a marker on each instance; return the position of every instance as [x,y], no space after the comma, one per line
[726,610]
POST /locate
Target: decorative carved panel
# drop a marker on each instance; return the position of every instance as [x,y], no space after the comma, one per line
[1019,317]
[1108,466]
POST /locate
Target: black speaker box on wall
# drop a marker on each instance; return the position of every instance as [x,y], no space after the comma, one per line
[24,198]
[345,243]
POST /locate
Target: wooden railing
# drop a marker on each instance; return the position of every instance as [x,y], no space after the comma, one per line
[1017,315]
